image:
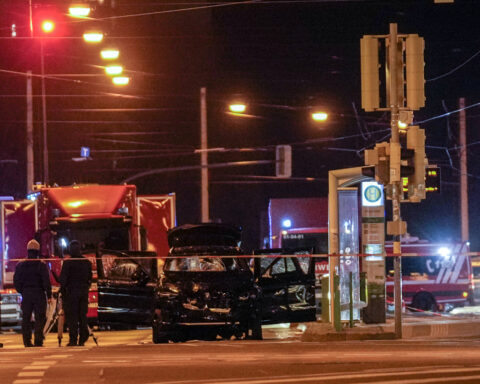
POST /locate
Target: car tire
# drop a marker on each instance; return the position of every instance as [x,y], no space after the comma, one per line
[256,328]
[157,336]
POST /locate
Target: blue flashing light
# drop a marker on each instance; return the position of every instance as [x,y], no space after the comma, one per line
[33,196]
[286,223]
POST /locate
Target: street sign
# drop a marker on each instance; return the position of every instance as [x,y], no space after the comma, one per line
[85,151]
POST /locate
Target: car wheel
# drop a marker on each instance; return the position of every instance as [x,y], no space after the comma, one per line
[157,336]
[256,328]
[425,302]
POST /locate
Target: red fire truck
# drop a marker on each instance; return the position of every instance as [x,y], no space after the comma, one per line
[435,276]
[98,216]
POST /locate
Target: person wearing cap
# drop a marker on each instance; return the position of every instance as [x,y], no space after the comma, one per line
[75,280]
[32,281]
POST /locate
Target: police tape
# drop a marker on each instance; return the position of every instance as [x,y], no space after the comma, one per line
[142,256]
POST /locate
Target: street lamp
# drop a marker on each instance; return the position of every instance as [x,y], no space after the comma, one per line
[319,116]
[48,26]
[120,80]
[79,11]
[113,70]
[93,37]
[110,54]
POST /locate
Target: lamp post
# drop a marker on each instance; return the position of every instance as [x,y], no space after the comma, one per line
[204,156]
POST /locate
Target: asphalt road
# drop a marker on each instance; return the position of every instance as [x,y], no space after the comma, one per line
[130,357]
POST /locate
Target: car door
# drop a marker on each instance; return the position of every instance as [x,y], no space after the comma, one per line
[287,281]
[126,283]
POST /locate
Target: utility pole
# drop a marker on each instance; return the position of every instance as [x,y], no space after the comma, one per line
[395,153]
[398,170]
[29,133]
[204,156]
[463,170]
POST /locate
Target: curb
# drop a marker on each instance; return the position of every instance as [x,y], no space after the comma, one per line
[443,329]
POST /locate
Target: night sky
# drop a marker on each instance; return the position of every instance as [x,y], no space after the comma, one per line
[283,57]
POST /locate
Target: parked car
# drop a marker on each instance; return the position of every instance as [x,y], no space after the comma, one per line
[207,287]
[10,311]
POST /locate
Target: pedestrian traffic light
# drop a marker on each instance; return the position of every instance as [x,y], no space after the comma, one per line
[415,72]
[370,73]
[283,161]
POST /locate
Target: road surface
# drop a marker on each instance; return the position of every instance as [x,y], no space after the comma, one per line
[130,357]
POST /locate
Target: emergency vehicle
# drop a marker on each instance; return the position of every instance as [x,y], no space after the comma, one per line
[435,276]
[98,216]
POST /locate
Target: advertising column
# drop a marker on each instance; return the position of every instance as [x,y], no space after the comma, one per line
[373,244]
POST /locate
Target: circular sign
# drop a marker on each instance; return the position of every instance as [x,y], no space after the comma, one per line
[372,194]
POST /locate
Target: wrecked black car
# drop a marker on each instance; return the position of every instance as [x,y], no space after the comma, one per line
[207,287]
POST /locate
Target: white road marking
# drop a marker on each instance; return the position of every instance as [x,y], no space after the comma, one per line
[455,379]
[57,356]
[31,374]
[27,381]
[37,367]
[44,362]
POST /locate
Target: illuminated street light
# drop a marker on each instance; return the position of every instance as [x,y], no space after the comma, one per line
[79,11]
[319,116]
[93,37]
[110,54]
[120,80]
[237,108]
[114,70]
[48,26]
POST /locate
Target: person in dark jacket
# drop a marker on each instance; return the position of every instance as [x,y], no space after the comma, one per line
[32,280]
[75,280]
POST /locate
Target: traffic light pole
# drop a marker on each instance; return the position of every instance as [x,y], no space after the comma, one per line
[395,180]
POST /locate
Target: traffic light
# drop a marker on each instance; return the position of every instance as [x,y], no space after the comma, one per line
[370,73]
[283,161]
[379,158]
[399,75]
[415,72]
[413,163]
[432,179]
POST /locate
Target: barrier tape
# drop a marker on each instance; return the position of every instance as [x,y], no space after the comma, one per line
[249,256]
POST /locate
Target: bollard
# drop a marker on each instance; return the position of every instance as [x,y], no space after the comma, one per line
[350,296]
[363,287]
[325,299]
[336,303]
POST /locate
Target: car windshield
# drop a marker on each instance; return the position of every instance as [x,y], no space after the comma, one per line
[199,264]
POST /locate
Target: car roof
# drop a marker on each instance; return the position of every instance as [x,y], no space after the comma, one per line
[204,234]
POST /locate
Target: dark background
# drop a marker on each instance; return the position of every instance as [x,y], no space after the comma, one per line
[282,56]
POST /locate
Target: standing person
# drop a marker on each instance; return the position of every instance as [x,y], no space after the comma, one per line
[32,280]
[75,279]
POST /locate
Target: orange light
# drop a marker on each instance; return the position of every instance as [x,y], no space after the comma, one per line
[120,80]
[110,54]
[114,70]
[319,116]
[237,108]
[48,26]
[79,11]
[93,37]
[465,294]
